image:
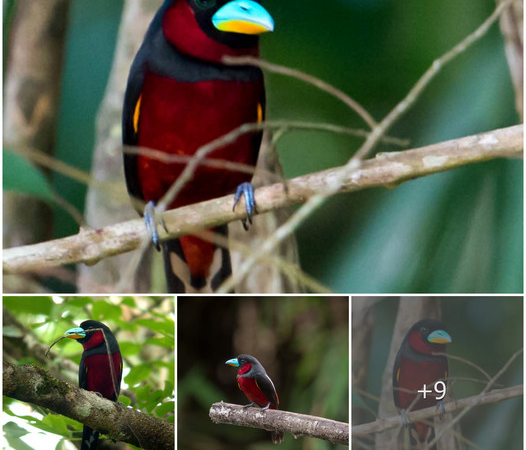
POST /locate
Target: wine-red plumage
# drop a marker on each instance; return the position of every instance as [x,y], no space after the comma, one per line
[253,380]
[100,369]
[179,117]
[251,388]
[180,97]
[416,366]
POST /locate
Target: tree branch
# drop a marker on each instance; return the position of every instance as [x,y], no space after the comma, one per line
[276,420]
[34,385]
[386,169]
[494,396]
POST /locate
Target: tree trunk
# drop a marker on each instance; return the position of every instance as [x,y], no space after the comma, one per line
[115,274]
[32,81]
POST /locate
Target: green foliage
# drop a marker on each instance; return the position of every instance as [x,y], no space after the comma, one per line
[144,328]
[23,177]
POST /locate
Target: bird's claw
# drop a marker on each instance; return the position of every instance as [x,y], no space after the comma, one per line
[440,405]
[266,407]
[404,418]
[249,405]
[246,190]
[151,219]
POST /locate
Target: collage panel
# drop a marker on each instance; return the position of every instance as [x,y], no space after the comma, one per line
[376,143]
[124,354]
[253,372]
[437,373]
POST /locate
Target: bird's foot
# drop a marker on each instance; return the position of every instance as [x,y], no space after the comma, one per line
[266,407]
[404,418]
[246,190]
[99,394]
[249,405]
[151,219]
[440,405]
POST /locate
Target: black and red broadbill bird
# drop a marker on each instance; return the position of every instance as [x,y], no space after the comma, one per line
[180,97]
[416,366]
[253,380]
[100,367]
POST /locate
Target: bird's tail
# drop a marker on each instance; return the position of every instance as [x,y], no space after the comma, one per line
[421,435]
[277,437]
[90,439]
[193,265]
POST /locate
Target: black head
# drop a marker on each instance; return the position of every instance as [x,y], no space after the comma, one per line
[210,29]
[428,333]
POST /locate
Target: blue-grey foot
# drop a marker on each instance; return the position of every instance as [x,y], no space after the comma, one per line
[151,219]
[246,190]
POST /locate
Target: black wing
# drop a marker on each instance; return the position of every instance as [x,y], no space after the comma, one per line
[266,386]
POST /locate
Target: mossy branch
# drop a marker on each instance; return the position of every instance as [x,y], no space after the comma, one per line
[33,384]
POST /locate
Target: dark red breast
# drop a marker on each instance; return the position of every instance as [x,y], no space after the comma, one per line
[412,376]
[252,391]
[98,375]
[178,117]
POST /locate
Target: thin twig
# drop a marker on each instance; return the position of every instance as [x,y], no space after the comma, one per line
[468,408]
[388,169]
[310,79]
[495,396]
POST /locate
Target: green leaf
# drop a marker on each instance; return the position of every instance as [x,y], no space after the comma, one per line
[129,348]
[165,408]
[23,177]
[11,331]
[126,401]
[56,424]
[166,327]
[143,394]
[129,301]
[138,373]
[14,430]
[103,310]
[161,342]
[31,305]
[168,389]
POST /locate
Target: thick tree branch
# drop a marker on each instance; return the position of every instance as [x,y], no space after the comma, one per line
[494,396]
[34,385]
[286,421]
[386,169]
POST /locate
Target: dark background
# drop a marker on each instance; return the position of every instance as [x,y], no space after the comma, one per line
[302,342]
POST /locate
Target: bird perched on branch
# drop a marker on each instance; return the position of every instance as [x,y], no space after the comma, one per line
[253,380]
[416,369]
[180,97]
[100,367]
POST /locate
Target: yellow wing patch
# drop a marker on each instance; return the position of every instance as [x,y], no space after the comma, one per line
[260,113]
[136,114]
[398,375]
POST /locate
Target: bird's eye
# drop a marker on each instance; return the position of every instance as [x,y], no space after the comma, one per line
[423,330]
[205,4]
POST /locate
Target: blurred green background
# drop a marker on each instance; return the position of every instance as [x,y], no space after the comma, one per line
[486,331]
[459,231]
[145,330]
[302,342]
